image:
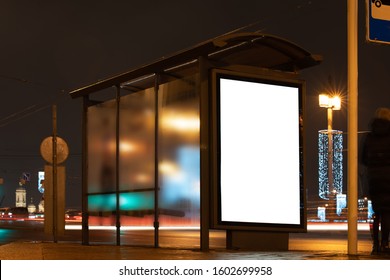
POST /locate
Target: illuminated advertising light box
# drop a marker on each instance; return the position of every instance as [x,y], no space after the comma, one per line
[258,182]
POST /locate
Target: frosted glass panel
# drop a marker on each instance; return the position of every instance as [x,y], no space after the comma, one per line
[101,148]
[101,164]
[179,158]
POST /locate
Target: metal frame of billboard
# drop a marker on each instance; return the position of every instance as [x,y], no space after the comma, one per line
[277,79]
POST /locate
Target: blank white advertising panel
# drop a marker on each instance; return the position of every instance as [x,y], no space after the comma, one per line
[259,155]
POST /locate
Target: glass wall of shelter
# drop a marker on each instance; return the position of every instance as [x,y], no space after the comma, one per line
[165,155]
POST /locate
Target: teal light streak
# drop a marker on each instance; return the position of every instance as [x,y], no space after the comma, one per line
[127,201]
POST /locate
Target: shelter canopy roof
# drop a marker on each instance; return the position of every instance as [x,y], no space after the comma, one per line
[247,49]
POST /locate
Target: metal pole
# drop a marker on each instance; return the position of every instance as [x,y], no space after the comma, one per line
[84,193]
[205,143]
[55,233]
[117,212]
[156,223]
[352,124]
[330,154]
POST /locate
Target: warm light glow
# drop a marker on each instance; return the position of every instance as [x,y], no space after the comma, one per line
[143,178]
[336,103]
[124,146]
[182,123]
[323,100]
[127,147]
[167,167]
[333,102]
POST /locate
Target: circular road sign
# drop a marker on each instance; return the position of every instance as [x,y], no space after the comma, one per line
[47,150]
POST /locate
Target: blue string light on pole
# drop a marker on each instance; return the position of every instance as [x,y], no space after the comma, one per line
[326,191]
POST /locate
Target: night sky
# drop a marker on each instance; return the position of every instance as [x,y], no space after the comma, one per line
[51,47]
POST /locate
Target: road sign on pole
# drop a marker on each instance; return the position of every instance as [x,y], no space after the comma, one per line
[378,21]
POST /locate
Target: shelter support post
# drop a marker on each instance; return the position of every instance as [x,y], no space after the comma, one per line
[84,171]
[204,155]
[156,223]
[117,212]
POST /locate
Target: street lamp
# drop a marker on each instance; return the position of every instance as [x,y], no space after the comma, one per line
[330,103]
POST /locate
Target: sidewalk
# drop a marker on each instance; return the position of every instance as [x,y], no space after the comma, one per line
[321,242]
[76,251]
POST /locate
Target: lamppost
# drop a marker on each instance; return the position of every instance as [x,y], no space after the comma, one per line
[330,103]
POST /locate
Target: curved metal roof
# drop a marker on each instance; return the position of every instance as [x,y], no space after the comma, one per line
[250,49]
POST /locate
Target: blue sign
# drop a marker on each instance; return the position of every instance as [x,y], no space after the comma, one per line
[378,21]
[26,177]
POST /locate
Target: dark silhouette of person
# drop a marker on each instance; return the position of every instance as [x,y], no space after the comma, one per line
[376,158]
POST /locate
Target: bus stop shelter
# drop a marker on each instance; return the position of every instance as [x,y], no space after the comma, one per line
[148,135]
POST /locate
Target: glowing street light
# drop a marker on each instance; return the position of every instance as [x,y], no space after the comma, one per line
[330,103]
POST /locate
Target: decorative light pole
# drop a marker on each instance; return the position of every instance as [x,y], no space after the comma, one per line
[330,144]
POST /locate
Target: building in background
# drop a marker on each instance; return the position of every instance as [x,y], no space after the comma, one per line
[20,197]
